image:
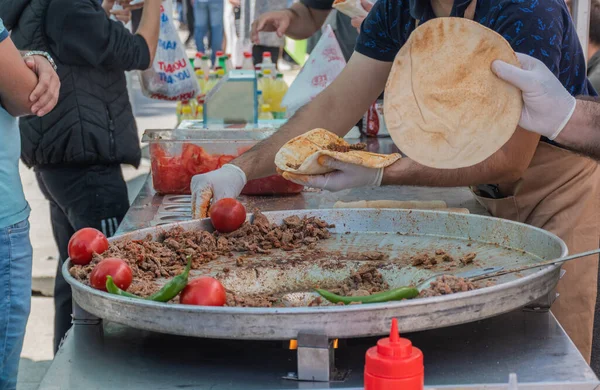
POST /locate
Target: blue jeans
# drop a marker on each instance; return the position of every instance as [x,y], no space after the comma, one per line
[208,18]
[15,298]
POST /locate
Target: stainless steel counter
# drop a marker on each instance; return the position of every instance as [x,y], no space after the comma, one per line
[475,356]
[150,209]
[472,356]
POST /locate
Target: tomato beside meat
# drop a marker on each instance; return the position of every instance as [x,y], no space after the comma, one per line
[117,268]
[84,243]
[204,291]
[227,215]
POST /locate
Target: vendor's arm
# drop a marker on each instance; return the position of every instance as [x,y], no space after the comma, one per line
[300,21]
[82,34]
[336,109]
[582,132]
[505,166]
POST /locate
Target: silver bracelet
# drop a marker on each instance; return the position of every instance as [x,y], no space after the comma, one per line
[43,54]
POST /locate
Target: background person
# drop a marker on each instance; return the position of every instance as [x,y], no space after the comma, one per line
[21,93]
[77,149]
[208,22]
[303,19]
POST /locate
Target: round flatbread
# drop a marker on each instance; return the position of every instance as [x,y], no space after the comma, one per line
[443,106]
[301,154]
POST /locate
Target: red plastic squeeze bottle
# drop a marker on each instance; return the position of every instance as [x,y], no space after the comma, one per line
[394,364]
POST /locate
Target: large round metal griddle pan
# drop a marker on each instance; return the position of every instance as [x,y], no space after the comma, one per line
[400,232]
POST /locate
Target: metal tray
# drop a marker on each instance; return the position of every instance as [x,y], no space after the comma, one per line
[400,233]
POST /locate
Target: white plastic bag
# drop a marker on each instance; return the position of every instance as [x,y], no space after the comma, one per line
[324,64]
[171,76]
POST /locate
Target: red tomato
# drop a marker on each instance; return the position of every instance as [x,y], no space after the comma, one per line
[224,159]
[204,291]
[227,215]
[84,243]
[117,268]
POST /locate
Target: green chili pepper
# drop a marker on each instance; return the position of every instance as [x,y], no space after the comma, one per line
[112,288]
[386,296]
[165,294]
[173,287]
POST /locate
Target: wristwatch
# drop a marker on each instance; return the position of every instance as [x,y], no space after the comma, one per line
[43,54]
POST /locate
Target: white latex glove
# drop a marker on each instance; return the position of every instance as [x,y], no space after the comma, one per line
[345,176]
[226,182]
[548,106]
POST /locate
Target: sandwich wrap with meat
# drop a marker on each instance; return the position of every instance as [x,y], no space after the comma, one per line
[303,155]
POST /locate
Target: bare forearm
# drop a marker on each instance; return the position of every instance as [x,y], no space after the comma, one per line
[305,21]
[150,25]
[582,132]
[336,109]
[504,166]
[322,112]
[15,86]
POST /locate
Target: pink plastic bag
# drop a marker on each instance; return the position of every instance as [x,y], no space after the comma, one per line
[322,67]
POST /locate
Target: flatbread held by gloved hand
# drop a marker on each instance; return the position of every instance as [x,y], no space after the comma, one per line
[301,154]
[444,107]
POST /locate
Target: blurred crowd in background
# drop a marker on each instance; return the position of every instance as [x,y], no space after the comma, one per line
[217,25]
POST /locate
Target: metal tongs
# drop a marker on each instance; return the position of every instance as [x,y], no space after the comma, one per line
[538,264]
[492,272]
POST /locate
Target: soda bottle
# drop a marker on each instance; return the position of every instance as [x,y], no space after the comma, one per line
[228,63]
[186,111]
[199,111]
[201,79]
[265,112]
[267,62]
[220,73]
[247,64]
[278,90]
[267,86]
[220,60]
[198,61]
[206,66]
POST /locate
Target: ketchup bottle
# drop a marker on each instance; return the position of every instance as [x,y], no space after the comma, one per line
[394,364]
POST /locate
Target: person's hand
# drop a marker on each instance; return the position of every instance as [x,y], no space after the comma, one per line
[356,22]
[345,176]
[277,21]
[547,105]
[226,182]
[45,94]
[122,15]
[234,3]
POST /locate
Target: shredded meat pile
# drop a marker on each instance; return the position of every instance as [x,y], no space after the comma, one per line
[428,261]
[166,257]
[344,149]
[366,281]
[447,284]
